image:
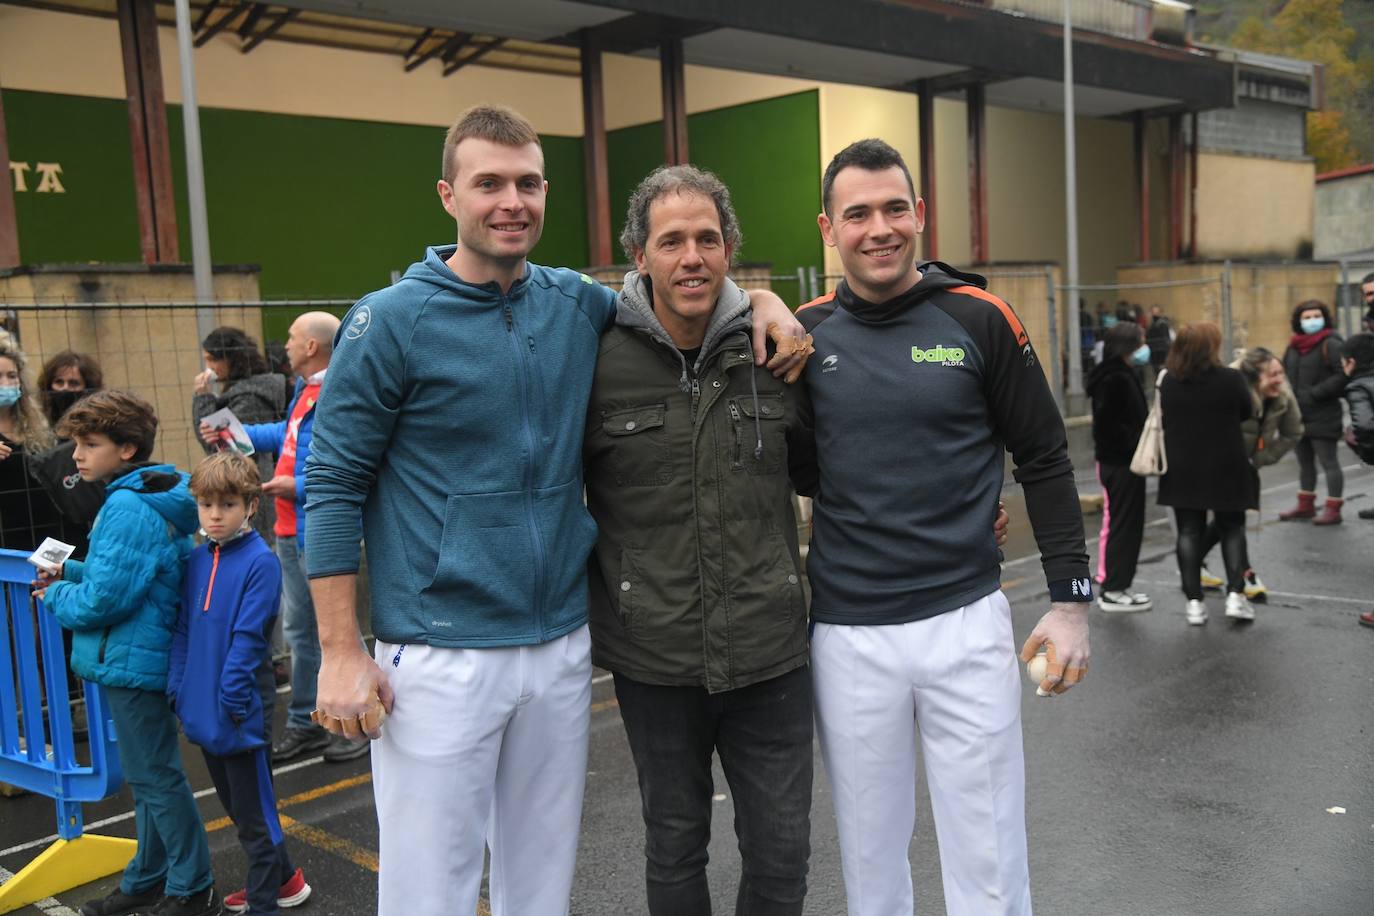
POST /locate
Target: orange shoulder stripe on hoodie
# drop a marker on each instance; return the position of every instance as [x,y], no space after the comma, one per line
[1017,328]
[821,301]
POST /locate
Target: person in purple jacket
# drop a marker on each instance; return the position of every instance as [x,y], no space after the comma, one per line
[220,678]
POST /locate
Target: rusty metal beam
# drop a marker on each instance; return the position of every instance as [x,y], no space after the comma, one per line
[595,159]
[1192,189]
[672,76]
[204,16]
[456,65]
[1178,166]
[148,136]
[977,175]
[926,124]
[270,29]
[9,220]
[1142,186]
[419,43]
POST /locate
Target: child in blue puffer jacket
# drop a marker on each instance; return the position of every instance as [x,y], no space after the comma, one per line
[220,680]
[121,605]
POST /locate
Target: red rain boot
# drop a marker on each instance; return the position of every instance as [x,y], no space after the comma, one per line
[1305,509]
[1331,513]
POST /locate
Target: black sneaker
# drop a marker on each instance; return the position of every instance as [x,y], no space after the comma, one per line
[117,902]
[298,741]
[201,903]
[341,749]
[1366,513]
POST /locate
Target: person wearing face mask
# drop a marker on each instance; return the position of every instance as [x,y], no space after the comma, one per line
[1274,427]
[65,379]
[27,514]
[1119,412]
[1313,365]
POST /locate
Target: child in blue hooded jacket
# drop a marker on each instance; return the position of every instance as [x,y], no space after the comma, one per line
[121,605]
[220,680]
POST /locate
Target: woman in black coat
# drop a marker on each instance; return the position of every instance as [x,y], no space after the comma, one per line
[1313,365]
[1204,404]
[1119,412]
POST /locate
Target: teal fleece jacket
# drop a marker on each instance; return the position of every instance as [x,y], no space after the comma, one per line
[121,603]
[451,424]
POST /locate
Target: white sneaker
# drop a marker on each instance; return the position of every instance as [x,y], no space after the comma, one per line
[1124,602]
[1196,612]
[1238,607]
[1209,580]
[1254,588]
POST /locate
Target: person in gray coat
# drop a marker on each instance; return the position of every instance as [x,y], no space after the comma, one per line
[236,376]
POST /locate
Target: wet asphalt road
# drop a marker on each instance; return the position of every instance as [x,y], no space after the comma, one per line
[1190,775]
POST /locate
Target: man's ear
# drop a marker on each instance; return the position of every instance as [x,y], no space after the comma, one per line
[640,261]
[827,230]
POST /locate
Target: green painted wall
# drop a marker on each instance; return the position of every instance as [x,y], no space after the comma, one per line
[327,207]
[767,152]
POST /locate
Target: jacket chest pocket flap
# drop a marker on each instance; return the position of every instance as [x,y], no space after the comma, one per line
[639,445]
[765,411]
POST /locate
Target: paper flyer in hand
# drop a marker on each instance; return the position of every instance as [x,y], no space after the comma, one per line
[51,554]
[229,430]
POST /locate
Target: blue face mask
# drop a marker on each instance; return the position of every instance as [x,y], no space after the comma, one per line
[1141,355]
[1108,321]
[9,396]
[1312,325]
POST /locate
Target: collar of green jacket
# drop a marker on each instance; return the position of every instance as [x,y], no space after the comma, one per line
[635,309]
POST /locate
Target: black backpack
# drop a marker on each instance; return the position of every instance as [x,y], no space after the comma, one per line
[55,470]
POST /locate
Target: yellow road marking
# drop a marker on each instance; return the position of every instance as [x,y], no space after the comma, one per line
[603,706]
[321,839]
[341,847]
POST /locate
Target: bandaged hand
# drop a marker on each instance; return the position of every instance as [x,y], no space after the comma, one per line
[1063,631]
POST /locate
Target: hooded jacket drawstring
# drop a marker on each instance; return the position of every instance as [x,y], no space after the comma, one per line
[754,390]
[210,588]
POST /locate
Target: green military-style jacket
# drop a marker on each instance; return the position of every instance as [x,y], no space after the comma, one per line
[695,579]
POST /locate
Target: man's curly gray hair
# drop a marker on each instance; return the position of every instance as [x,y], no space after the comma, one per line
[678,179]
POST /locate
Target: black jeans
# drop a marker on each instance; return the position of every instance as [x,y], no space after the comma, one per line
[763,735]
[1192,533]
[1124,514]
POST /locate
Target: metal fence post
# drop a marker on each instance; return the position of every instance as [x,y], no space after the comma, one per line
[1226,339]
[815,283]
[1056,348]
[801,286]
[1344,306]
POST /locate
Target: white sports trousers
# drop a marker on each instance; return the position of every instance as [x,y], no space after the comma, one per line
[953,682]
[484,747]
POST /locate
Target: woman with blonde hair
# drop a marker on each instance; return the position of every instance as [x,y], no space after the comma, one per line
[1204,404]
[27,514]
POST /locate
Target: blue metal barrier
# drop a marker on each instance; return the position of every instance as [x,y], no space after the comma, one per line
[37,747]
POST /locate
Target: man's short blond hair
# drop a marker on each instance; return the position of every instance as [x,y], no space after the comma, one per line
[227,473]
[493,123]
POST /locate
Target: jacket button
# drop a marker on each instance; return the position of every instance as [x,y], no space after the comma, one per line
[630,425]
[766,409]
[716,383]
[625,586]
[791,580]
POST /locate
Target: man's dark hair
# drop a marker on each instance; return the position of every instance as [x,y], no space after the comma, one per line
[1368,278]
[1360,348]
[678,179]
[871,155]
[122,416]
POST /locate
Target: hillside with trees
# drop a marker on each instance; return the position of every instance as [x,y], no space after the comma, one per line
[1339,35]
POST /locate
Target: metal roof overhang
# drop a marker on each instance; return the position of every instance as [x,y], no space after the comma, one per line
[889,44]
